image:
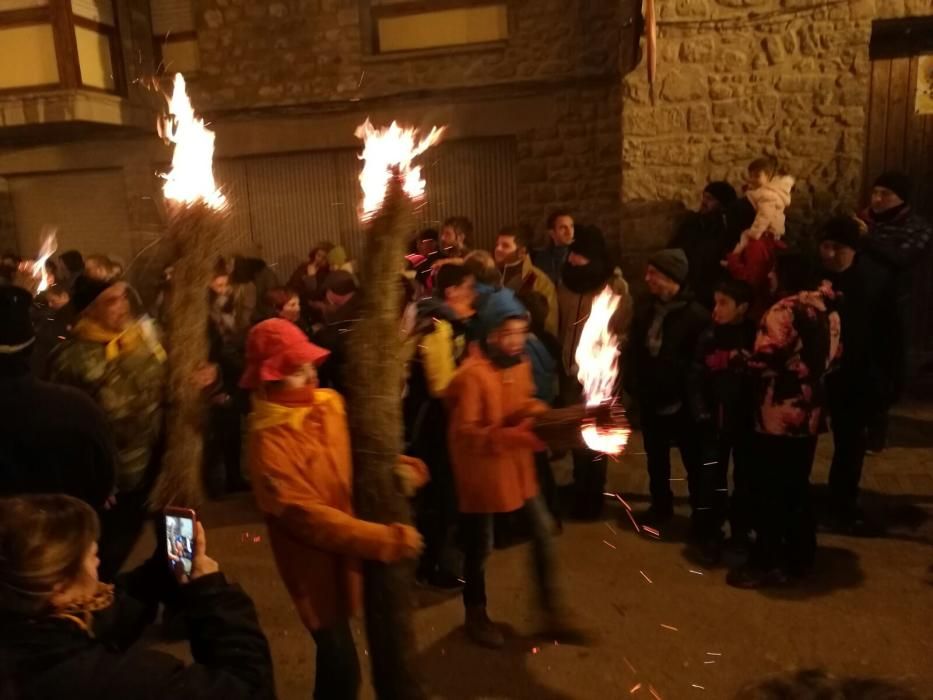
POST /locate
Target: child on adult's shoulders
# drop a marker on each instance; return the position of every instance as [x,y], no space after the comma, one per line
[752,259]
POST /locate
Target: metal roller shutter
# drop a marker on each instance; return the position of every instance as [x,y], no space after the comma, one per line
[288,203]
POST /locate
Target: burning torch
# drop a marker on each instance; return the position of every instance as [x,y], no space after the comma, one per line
[196,214]
[390,184]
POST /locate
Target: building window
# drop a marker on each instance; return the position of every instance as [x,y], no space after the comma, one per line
[418,26]
[174,32]
[59,44]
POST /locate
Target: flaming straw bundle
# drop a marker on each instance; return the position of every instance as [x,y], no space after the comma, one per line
[48,248]
[598,359]
[600,424]
[390,183]
[196,211]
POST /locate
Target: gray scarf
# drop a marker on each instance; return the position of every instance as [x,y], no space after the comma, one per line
[656,330]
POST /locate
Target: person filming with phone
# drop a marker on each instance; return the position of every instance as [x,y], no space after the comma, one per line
[67,634]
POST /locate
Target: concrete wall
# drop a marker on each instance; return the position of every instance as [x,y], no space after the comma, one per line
[738,78]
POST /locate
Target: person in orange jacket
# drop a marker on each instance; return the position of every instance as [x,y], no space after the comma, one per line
[301,471]
[492,448]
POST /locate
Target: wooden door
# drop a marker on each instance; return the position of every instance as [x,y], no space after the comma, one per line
[900,139]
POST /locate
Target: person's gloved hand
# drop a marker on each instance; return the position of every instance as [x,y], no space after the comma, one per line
[411,474]
[411,541]
[718,360]
[521,436]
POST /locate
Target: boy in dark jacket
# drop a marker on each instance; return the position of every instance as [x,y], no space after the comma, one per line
[665,330]
[722,405]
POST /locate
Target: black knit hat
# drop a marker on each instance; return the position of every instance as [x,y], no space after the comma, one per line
[843,230]
[672,262]
[899,183]
[589,242]
[722,192]
[86,291]
[16,332]
[340,282]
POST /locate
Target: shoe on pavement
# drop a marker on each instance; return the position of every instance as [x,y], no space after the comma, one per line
[656,515]
[709,551]
[440,580]
[750,577]
[559,627]
[482,630]
[854,524]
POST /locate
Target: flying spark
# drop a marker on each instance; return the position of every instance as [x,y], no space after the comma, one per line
[645,576]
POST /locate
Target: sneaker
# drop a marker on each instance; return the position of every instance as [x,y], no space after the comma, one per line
[656,516]
[709,551]
[482,630]
[853,524]
[440,580]
[560,628]
[750,577]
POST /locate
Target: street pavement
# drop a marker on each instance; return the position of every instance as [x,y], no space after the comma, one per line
[661,625]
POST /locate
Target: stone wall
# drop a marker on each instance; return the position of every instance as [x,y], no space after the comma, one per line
[738,78]
[573,162]
[303,51]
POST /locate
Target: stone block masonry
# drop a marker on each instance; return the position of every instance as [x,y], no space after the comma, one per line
[737,78]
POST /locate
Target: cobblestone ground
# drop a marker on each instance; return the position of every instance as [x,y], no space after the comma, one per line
[657,618]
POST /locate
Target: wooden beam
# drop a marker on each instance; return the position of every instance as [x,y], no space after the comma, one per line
[895,38]
[66,46]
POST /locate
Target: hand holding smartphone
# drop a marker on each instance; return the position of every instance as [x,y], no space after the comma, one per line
[186,545]
[180,540]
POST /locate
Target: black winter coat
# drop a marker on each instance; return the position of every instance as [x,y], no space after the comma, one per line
[334,336]
[660,382]
[705,240]
[53,439]
[869,321]
[56,658]
[723,395]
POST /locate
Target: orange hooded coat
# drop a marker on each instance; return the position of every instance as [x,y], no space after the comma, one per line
[301,470]
[492,474]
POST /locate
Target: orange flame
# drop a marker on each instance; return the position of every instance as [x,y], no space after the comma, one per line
[38,271]
[191,178]
[597,358]
[387,151]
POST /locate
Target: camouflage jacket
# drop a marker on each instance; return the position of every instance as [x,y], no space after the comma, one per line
[129,389]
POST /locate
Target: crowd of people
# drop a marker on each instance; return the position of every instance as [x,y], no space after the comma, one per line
[740,350]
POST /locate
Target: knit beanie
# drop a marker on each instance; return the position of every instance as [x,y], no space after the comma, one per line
[86,291]
[340,282]
[843,230]
[672,262]
[899,183]
[722,192]
[16,332]
[589,242]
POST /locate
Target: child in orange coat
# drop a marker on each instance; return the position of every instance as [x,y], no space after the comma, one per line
[301,471]
[492,450]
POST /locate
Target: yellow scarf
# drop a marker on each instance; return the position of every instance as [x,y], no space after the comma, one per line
[266,414]
[116,344]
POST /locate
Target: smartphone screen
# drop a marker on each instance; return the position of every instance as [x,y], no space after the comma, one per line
[179,541]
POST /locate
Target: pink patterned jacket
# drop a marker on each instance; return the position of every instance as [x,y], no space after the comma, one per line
[798,343]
